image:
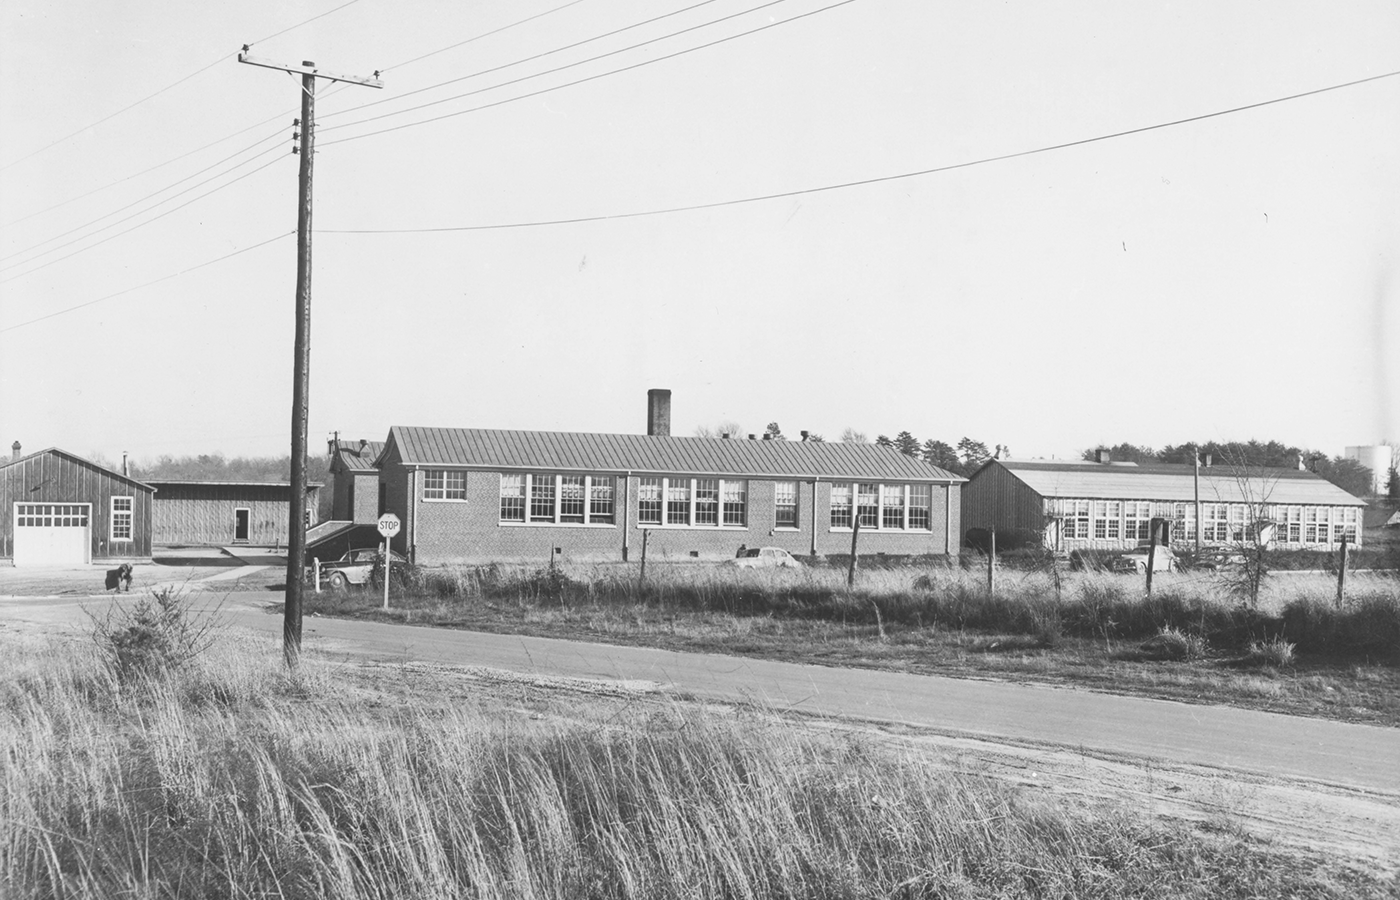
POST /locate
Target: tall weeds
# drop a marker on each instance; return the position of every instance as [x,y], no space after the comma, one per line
[226,779]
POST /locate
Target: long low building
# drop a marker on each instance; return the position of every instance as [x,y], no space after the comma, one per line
[1108,505]
[468,495]
[220,513]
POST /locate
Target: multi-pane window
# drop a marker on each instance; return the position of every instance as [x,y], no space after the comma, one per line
[701,502]
[54,515]
[785,504]
[1137,520]
[542,499]
[707,501]
[892,506]
[443,484]
[600,499]
[886,507]
[557,499]
[1184,521]
[841,506]
[1288,524]
[121,518]
[678,501]
[1348,525]
[1215,525]
[1075,519]
[1108,519]
[649,501]
[571,498]
[920,506]
[512,498]
[1239,526]
[868,505]
[1316,524]
[735,494]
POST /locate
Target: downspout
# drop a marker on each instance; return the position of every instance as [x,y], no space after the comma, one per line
[948,519]
[815,481]
[413,517]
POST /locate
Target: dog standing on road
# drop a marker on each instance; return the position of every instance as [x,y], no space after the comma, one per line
[119,579]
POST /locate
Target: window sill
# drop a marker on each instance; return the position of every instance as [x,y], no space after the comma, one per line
[880,530]
[786,529]
[556,525]
[444,500]
[647,526]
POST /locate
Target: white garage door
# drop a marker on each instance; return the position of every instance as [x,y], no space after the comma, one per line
[51,534]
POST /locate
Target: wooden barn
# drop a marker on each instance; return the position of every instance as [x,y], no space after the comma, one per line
[61,509]
[221,513]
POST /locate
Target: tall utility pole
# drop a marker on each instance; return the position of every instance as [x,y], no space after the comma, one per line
[301,364]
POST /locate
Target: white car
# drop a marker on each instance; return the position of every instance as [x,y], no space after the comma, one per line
[764,558]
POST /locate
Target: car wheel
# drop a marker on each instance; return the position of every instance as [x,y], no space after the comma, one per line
[339,581]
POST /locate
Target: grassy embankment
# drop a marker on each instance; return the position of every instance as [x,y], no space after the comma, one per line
[218,775]
[1193,640]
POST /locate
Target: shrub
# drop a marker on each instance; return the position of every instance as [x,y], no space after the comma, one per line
[153,636]
[1274,651]
[1172,643]
[1368,624]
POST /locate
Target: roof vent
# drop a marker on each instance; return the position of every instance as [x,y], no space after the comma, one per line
[1105,457]
[753,437]
[363,444]
[15,449]
[726,437]
[804,436]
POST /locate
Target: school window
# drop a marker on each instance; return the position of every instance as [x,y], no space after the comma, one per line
[882,507]
[1108,519]
[441,484]
[512,498]
[1183,521]
[785,504]
[121,518]
[1137,519]
[1348,525]
[1075,519]
[841,506]
[543,498]
[649,501]
[692,502]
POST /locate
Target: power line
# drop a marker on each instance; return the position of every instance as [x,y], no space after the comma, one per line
[558,87]
[275,134]
[146,171]
[146,285]
[867,181]
[483,35]
[518,62]
[199,71]
[221,187]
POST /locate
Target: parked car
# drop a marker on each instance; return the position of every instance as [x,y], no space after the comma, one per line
[1218,559]
[764,558]
[1135,561]
[355,567]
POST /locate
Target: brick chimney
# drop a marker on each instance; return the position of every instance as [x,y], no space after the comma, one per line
[659,412]
[1103,455]
[15,450]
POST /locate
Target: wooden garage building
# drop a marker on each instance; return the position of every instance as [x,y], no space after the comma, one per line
[223,513]
[61,509]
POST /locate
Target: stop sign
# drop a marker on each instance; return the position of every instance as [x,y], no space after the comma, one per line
[388,525]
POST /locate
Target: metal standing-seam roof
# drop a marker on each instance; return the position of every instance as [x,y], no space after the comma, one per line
[355,459]
[1163,481]
[643,454]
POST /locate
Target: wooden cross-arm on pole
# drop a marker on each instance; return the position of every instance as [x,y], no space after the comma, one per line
[373,81]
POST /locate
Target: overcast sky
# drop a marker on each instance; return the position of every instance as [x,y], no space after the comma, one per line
[1229,278]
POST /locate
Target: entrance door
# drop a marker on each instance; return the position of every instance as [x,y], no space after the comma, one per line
[240,526]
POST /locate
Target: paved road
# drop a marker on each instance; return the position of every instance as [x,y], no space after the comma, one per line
[1357,756]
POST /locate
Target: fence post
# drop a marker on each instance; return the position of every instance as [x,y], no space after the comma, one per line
[992,565]
[642,579]
[855,533]
[1342,575]
[1151,559]
[317,565]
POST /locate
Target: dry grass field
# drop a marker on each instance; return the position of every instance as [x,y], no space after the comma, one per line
[154,763]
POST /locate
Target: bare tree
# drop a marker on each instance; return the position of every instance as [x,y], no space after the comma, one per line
[1251,535]
[718,430]
[850,436]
